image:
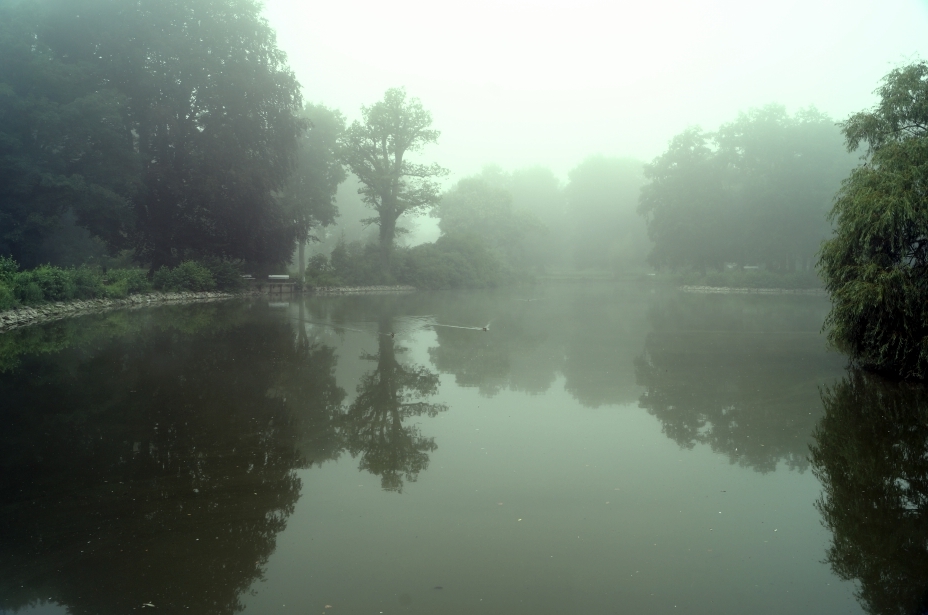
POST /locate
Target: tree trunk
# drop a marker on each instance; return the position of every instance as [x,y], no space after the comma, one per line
[387,235]
[302,256]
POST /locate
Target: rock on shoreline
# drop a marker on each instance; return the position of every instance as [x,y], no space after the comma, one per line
[47,312]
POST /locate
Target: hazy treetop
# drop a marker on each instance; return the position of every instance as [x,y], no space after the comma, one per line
[520,82]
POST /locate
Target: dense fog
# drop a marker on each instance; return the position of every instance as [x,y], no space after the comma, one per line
[486,144]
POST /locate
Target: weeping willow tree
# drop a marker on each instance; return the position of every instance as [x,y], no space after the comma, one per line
[875,266]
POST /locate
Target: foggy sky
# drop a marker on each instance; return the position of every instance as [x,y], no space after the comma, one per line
[521,83]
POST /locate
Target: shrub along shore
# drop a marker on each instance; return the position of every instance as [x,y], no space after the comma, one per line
[49,293]
[48,284]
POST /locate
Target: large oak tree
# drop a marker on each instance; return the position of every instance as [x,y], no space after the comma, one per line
[376,150]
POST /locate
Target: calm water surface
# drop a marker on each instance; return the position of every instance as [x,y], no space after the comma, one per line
[599,449]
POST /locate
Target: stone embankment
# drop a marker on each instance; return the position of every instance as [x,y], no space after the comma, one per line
[47,312]
[28,315]
[753,291]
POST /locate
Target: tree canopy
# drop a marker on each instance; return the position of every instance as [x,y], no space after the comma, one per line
[482,206]
[755,192]
[602,197]
[309,196]
[167,127]
[63,146]
[876,265]
[376,150]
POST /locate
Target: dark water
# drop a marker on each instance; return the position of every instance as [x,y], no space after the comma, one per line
[599,449]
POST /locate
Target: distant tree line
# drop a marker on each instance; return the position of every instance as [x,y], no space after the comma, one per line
[755,192]
[534,222]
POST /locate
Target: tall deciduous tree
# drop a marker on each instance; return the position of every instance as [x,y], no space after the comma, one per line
[212,110]
[876,265]
[64,151]
[309,197]
[376,150]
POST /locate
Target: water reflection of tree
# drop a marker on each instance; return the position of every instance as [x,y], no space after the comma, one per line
[740,376]
[871,455]
[157,467]
[508,357]
[603,335]
[373,426]
[589,335]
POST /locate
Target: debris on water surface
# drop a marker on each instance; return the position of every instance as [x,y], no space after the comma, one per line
[148,604]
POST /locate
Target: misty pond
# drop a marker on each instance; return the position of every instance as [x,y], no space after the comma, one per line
[601,448]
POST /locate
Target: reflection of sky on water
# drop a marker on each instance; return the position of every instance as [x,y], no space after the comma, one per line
[600,445]
[555,465]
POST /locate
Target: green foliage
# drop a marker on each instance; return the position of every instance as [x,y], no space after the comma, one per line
[125,282]
[876,266]
[320,272]
[227,275]
[482,206]
[375,150]
[87,282]
[602,198]
[27,291]
[47,283]
[7,297]
[168,128]
[189,276]
[755,192]
[357,264]
[135,280]
[309,196]
[454,261]
[53,284]
[65,150]
[8,269]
